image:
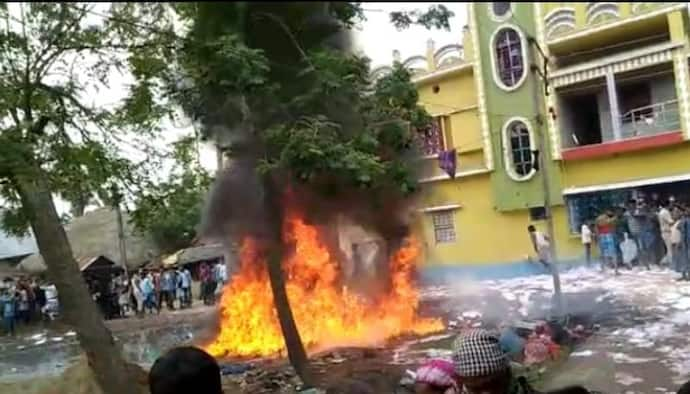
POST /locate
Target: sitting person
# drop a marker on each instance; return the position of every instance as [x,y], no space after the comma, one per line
[483,367]
[185,370]
[436,377]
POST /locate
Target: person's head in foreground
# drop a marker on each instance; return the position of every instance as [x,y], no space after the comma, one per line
[685,388]
[185,370]
[436,377]
[481,364]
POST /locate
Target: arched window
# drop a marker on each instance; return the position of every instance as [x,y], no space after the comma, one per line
[509,58]
[500,9]
[518,147]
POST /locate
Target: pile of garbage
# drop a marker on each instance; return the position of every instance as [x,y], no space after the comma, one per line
[274,376]
[534,343]
[248,377]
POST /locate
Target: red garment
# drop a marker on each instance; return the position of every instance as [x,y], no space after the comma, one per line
[157,282]
[540,348]
[204,273]
[605,228]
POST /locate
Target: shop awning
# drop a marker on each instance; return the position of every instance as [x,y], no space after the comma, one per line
[626,184]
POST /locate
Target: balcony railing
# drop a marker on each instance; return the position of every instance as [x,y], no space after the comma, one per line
[651,119]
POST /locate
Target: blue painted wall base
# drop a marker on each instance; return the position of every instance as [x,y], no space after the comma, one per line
[445,274]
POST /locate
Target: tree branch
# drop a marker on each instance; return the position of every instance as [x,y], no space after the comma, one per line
[287,31]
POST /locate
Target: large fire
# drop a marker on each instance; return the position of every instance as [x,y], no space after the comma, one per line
[326,313]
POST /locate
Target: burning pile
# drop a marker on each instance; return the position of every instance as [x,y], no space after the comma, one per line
[326,313]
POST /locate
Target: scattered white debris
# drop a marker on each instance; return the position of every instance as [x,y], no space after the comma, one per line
[627,379]
[471,315]
[509,296]
[583,353]
[626,359]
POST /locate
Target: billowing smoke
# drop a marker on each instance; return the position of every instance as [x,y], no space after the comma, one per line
[236,205]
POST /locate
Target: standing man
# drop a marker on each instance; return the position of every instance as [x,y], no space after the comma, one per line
[23,303]
[586,238]
[633,222]
[168,288]
[138,293]
[621,232]
[40,298]
[665,223]
[185,278]
[605,225]
[8,303]
[204,274]
[648,228]
[682,233]
[149,291]
[541,244]
[157,294]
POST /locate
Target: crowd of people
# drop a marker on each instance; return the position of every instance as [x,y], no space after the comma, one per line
[641,233]
[25,301]
[148,291]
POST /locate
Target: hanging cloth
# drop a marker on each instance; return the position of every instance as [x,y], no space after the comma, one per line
[447,161]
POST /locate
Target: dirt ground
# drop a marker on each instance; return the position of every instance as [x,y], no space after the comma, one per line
[77,379]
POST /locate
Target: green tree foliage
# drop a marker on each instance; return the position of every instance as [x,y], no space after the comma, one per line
[170,211]
[54,58]
[277,82]
[55,139]
[275,70]
[437,17]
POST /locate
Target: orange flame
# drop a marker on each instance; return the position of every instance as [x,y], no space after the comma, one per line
[326,314]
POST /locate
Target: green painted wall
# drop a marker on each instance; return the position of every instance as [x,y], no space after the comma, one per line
[501,105]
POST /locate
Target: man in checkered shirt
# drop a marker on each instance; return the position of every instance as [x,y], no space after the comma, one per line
[483,367]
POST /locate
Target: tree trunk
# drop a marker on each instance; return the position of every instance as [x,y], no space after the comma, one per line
[293,342]
[76,305]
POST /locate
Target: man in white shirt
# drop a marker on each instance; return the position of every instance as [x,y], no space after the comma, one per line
[665,224]
[541,244]
[586,236]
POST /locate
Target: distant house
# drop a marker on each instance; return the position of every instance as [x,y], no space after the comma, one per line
[96,235]
[12,251]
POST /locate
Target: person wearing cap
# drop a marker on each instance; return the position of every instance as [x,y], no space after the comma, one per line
[483,367]
[436,376]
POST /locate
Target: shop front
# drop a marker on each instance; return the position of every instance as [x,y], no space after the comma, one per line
[584,204]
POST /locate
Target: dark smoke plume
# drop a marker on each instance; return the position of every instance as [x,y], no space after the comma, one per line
[235,205]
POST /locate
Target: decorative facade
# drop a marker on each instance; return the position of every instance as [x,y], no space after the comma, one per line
[598,91]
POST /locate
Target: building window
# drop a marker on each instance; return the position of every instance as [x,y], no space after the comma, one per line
[537,214]
[518,149]
[431,137]
[444,226]
[509,58]
[500,9]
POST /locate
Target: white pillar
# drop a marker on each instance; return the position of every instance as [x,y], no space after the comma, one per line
[613,105]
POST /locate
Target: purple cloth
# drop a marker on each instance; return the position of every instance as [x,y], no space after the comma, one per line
[447,162]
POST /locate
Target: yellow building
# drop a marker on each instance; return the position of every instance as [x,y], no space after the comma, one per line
[605,85]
